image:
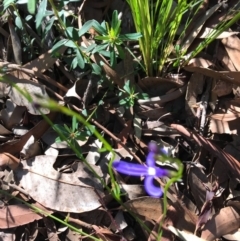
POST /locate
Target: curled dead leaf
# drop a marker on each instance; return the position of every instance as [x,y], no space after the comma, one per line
[222,223]
[8,160]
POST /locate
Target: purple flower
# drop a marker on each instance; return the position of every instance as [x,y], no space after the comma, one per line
[149,172]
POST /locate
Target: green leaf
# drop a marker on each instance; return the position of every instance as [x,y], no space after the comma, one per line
[112,57]
[90,47]
[67,129]
[74,63]
[86,26]
[74,123]
[41,13]
[84,112]
[103,38]
[122,102]
[130,36]
[115,20]
[120,51]
[81,137]
[72,33]
[7,3]
[70,44]
[90,130]
[126,87]
[49,25]
[18,22]
[58,139]
[99,28]
[60,128]
[99,47]
[80,60]
[96,69]
[59,44]
[31,5]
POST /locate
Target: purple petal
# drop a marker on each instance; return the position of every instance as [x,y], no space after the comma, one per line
[130,168]
[150,159]
[150,188]
[160,172]
[152,147]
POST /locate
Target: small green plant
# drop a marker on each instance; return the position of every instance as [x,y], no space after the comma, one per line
[74,133]
[128,95]
[111,37]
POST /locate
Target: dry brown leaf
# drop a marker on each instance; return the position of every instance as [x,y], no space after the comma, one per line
[222,223]
[4,131]
[172,218]
[16,43]
[232,46]
[209,31]
[34,90]
[17,215]
[165,98]
[223,57]
[31,148]
[149,207]
[8,160]
[194,88]
[73,192]
[200,62]
[12,114]
[229,76]
[222,88]
[198,26]
[232,165]
[196,178]
[37,131]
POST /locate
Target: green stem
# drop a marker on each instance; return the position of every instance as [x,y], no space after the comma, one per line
[38,210]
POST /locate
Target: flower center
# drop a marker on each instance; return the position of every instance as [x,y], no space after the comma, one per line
[151,171]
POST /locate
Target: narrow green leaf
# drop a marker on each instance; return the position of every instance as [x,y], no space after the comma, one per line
[7,3]
[112,57]
[74,123]
[72,33]
[60,128]
[70,44]
[59,44]
[120,51]
[74,63]
[122,102]
[130,36]
[18,22]
[85,27]
[99,28]
[115,20]
[80,60]
[40,13]
[126,87]
[96,69]
[31,5]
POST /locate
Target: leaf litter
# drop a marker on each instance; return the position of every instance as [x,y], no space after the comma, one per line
[193,111]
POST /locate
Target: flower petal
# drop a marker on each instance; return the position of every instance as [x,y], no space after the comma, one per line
[132,169]
[152,147]
[161,172]
[150,188]
[150,159]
